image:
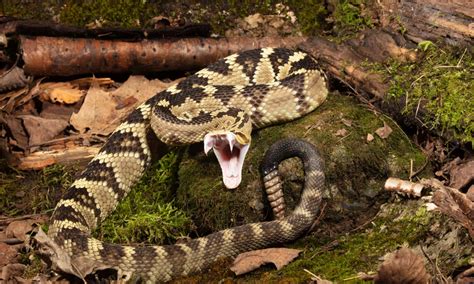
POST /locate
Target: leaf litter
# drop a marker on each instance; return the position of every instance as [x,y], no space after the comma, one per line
[102,111]
[80,111]
[249,261]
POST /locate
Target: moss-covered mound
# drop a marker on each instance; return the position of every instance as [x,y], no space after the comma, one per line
[355,169]
[354,231]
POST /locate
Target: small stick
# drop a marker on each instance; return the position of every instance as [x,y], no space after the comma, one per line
[404,186]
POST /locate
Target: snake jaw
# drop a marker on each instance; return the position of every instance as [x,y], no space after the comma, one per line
[230,154]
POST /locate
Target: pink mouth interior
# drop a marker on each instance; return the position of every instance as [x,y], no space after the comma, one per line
[230,154]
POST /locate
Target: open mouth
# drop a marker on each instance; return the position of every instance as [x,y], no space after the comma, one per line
[230,154]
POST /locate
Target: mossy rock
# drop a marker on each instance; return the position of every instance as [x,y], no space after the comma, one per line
[355,169]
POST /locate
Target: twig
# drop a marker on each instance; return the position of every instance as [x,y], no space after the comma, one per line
[462,56]
[412,175]
[321,214]
[362,98]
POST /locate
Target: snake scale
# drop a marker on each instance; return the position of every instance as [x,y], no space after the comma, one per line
[219,105]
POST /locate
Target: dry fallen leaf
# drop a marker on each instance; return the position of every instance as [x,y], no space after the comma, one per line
[63,92]
[370,137]
[342,132]
[461,174]
[11,272]
[79,266]
[249,261]
[384,131]
[41,129]
[102,111]
[19,229]
[17,131]
[470,193]
[8,254]
[402,266]
[57,111]
[96,113]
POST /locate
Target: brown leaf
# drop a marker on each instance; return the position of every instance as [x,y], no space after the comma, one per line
[342,132]
[470,193]
[370,137]
[461,174]
[57,111]
[8,254]
[18,132]
[249,261]
[60,259]
[103,111]
[10,272]
[41,129]
[140,88]
[384,132]
[19,229]
[63,92]
[96,114]
[9,100]
[457,205]
[402,266]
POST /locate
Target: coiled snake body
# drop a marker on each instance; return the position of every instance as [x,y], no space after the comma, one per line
[219,105]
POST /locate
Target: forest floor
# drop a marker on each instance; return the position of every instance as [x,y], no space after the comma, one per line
[361,224]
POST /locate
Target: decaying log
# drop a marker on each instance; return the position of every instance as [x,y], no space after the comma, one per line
[57,56]
[449,21]
[346,62]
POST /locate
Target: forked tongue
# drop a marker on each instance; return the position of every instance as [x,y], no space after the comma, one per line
[230,154]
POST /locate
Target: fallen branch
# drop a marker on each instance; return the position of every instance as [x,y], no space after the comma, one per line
[41,159]
[57,56]
[404,186]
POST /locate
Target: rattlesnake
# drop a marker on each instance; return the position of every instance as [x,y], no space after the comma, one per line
[218,105]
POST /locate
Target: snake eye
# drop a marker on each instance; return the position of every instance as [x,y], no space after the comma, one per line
[230,154]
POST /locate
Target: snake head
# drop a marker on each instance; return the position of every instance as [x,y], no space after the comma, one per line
[230,149]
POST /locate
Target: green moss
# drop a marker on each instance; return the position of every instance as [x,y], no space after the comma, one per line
[39,10]
[124,13]
[220,14]
[147,214]
[348,16]
[360,252]
[441,82]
